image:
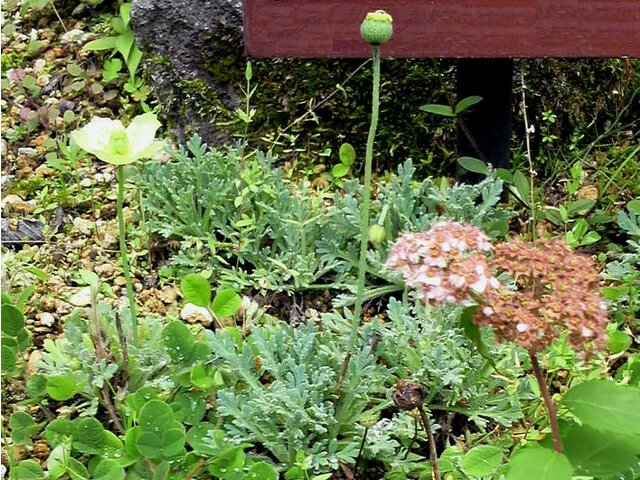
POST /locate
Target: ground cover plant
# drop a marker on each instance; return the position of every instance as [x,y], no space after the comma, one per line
[211,312]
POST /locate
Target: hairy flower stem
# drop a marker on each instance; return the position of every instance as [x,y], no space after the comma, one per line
[123,255]
[433,453]
[548,402]
[364,217]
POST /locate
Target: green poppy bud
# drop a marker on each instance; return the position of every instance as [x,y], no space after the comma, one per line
[377,27]
[377,234]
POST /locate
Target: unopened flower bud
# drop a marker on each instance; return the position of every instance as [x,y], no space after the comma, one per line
[377,27]
[377,234]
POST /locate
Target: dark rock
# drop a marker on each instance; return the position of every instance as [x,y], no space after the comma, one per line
[182,36]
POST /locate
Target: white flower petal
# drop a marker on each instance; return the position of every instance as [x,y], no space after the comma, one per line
[94,137]
[141,133]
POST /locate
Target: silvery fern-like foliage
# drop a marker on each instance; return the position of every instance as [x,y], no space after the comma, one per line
[281,393]
[258,229]
[428,344]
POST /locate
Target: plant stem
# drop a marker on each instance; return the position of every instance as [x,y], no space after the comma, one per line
[364,219]
[527,136]
[433,453]
[362,444]
[123,255]
[548,402]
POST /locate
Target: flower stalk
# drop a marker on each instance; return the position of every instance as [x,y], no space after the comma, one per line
[123,255]
[548,402]
[364,218]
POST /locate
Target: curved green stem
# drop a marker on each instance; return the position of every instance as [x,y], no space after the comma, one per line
[364,218]
[123,255]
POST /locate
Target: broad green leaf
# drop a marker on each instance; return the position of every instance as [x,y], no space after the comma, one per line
[205,439]
[105,43]
[227,461]
[173,441]
[618,341]
[76,470]
[481,461]
[340,170]
[522,184]
[58,461]
[444,110]
[8,358]
[28,470]
[61,387]
[539,463]
[202,377]
[89,435]
[178,340]
[189,407]
[12,320]
[474,165]
[226,303]
[474,334]
[347,154]
[141,397]
[598,453]
[604,405]
[580,206]
[130,442]
[59,431]
[109,470]
[467,102]
[261,471]
[22,428]
[150,445]
[124,43]
[196,289]
[634,206]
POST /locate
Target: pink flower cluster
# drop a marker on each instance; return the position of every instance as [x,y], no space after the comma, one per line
[556,290]
[446,264]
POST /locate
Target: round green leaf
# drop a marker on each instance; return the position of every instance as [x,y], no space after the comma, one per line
[202,377]
[196,290]
[156,416]
[109,470]
[226,303]
[61,387]
[227,462]
[37,386]
[150,445]
[76,470]
[28,470]
[604,405]
[261,471]
[191,407]
[8,358]
[12,320]
[481,461]
[340,170]
[59,431]
[539,463]
[89,435]
[22,427]
[205,439]
[178,340]
[618,341]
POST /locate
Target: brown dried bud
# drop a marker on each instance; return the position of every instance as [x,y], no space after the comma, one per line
[408,395]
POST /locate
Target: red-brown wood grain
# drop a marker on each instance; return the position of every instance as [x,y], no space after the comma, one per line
[446,28]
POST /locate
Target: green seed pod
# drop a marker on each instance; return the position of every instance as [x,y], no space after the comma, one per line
[377,234]
[377,27]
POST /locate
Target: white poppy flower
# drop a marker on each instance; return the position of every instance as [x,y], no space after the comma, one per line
[111,142]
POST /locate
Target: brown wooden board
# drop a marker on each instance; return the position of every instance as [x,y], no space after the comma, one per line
[446,28]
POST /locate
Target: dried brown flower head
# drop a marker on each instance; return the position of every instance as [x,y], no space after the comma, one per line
[556,290]
[408,395]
